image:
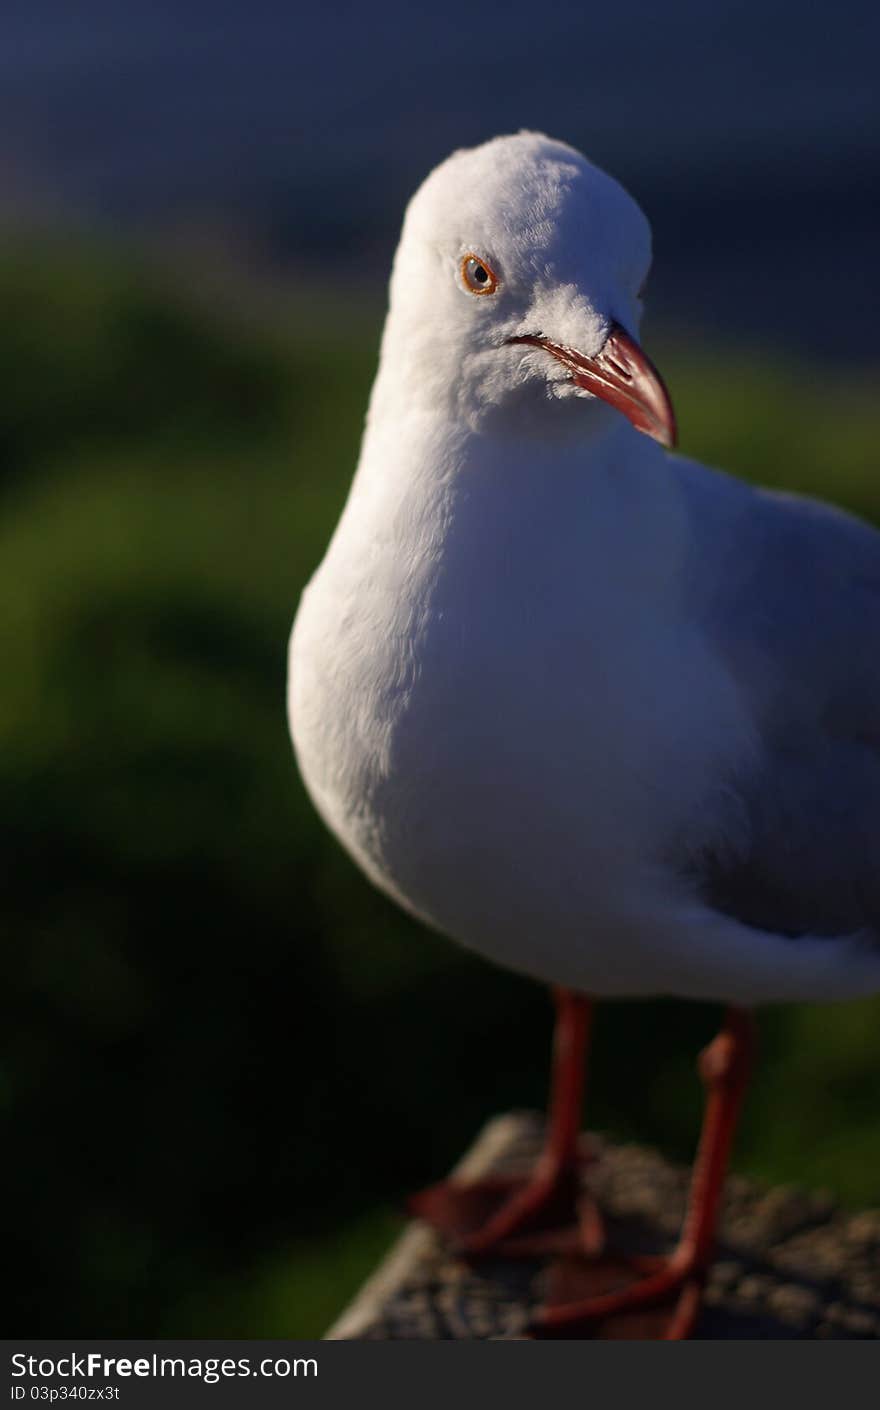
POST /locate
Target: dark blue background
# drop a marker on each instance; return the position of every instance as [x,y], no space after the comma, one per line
[749,131]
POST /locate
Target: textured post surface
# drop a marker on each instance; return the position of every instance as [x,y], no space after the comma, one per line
[788,1263]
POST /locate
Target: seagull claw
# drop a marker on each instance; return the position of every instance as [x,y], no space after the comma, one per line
[534,1216]
[664,1305]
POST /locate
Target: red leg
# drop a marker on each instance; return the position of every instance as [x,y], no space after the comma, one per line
[724,1069]
[483,1214]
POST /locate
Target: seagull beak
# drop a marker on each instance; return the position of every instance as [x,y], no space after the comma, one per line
[622,375]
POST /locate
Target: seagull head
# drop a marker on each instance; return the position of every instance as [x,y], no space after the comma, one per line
[517,287]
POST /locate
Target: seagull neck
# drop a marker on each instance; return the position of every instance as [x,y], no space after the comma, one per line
[428,460]
[426,488]
[583,426]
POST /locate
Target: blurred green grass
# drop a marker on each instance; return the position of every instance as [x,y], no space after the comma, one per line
[224,1057]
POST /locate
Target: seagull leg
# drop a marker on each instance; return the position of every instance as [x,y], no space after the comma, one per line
[724,1068]
[511,1214]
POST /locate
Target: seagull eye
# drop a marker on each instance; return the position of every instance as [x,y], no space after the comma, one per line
[477,277]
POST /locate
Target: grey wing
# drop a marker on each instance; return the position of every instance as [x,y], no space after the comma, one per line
[792,599]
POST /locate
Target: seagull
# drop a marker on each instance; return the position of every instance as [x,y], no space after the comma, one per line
[604,715]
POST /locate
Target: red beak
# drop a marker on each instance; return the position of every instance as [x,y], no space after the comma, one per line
[622,375]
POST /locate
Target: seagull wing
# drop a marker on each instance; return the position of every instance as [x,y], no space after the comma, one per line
[791,597]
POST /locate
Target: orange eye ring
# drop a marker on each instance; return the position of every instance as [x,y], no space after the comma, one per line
[477,276]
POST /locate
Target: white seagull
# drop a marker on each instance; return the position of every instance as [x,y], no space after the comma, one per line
[600,713]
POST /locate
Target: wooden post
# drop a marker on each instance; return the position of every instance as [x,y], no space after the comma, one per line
[789,1264]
